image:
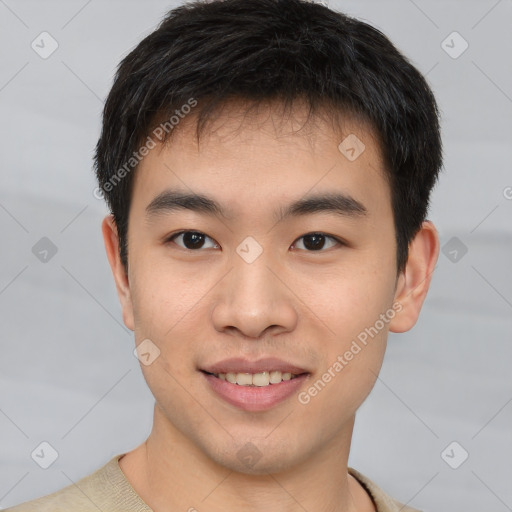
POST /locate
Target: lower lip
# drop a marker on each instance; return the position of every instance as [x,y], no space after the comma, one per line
[255,398]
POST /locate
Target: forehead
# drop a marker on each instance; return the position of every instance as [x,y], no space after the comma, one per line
[265,157]
[284,125]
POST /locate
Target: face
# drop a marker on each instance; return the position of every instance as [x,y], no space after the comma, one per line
[313,288]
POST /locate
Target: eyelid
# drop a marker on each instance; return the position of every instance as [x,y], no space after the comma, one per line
[171,238]
[336,238]
[338,241]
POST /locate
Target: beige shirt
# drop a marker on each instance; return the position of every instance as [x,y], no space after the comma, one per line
[108,490]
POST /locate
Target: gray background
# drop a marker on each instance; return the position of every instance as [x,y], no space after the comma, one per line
[67,372]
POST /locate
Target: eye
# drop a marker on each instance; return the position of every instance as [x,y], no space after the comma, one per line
[191,240]
[316,241]
[194,240]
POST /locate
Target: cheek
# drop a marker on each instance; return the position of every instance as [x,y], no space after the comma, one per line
[355,311]
[166,314]
[347,376]
[349,301]
[163,299]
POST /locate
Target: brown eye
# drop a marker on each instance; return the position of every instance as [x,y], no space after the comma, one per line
[317,241]
[191,240]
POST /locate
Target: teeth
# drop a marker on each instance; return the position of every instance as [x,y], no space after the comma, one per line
[260,379]
[256,379]
[244,379]
[275,377]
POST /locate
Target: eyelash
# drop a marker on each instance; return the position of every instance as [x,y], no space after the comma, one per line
[325,235]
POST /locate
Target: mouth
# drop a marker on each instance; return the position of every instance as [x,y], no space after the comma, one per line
[256,391]
[254,385]
[260,379]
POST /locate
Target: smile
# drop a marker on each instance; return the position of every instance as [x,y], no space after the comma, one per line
[260,379]
[254,392]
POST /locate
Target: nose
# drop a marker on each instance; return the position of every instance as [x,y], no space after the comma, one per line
[253,298]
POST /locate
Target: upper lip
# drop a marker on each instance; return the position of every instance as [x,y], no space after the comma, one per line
[241,365]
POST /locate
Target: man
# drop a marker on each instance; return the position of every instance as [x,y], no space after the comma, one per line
[268,165]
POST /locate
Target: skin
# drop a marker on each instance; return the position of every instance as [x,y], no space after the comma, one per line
[306,306]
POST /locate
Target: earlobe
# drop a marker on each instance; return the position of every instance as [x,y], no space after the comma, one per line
[111,240]
[414,282]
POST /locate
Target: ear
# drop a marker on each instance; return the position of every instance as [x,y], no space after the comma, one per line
[111,239]
[414,281]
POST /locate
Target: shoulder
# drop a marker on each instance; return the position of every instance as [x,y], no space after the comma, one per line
[383,502]
[91,493]
[68,498]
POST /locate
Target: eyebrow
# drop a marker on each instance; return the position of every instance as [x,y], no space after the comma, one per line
[337,203]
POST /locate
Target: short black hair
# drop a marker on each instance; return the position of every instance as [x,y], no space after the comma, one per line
[208,53]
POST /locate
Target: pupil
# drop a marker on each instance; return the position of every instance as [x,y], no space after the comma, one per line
[194,240]
[318,244]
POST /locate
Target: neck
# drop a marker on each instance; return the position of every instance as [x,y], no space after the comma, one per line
[170,472]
